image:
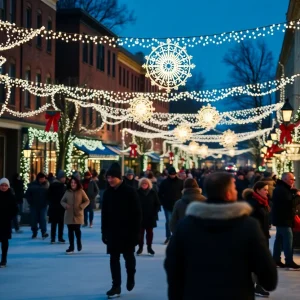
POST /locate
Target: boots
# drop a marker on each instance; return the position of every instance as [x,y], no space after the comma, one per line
[115,291]
[140,250]
[130,282]
[150,250]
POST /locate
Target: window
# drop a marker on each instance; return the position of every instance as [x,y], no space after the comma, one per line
[91,115]
[113,127]
[12,11]
[124,79]
[12,73]
[98,119]
[108,125]
[100,57]
[27,94]
[49,41]
[38,79]
[83,116]
[108,62]
[3,10]
[120,75]
[132,82]
[39,25]
[2,86]
[85,49]
[114,65]
[28,17]
[48,81]
[91,46]
[127,79]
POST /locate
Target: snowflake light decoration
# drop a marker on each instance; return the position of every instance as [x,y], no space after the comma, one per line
[203,151]
[141,109]
[231,152]
[208,117]
[228,139]
[183,132]
[168,66]
[193,146]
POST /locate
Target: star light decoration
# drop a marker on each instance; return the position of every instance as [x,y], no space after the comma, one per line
[208,117]
[141,109]
[203,151]
[168,66]
[183,132]
[229,139]
[193,147]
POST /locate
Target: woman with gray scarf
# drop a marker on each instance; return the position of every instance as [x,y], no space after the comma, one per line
[191,192]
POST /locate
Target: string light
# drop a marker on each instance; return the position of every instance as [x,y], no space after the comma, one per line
[183,132]
[193,146]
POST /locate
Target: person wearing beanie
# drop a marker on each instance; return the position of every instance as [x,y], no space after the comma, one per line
[241,184]
[169,192]
[91,189]
[56,212]
[8,210]
[130,180]
[191,192]
[37,197]
[194,261]
[120,227]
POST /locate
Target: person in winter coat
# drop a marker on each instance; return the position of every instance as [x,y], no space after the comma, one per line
[130,180]
[91,189]
[258,199]
[37,197]
[120,226]
[194,263]
[153,180]
[241,184]
[17,185]
[169,192]
[74,202]
[102,185]
[56,212]
[8,210]
[191,192]
[284,202]
[150,207]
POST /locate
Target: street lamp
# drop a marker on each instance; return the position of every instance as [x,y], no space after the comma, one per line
[269,141]
[287,111]
[273,134]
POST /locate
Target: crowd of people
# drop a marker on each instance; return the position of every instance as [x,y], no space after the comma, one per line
[204,210]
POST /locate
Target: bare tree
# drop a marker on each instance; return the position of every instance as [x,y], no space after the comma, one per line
[250,63]
[110,13]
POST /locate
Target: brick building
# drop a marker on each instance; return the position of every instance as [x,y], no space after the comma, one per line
[33,61]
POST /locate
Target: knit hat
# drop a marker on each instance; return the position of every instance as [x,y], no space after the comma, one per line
[129,172]
[172,171]
[190,183]
[114,171]
[60,174]
[5,181]
[40,175]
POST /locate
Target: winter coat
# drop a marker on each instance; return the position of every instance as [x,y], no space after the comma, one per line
[132,183]
[92,192]
[150,206]
[154,184]
[8,210]
[189,195]
[102,183]
[78,201]
[37,194]
[241,185]
[121,218]
[214,251]
[18,186]
[284,205]
[169,192]
[56,192]
[260,213]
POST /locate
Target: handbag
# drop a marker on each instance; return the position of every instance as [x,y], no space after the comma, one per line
[296,223]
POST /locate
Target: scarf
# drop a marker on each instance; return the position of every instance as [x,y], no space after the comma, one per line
[260,199]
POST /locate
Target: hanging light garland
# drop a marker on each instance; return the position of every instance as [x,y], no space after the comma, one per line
[203,151]
[183,132]
[193,147]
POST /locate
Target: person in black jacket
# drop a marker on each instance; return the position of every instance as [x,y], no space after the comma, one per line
[169,192]
[258,199]
[130,180]
[102,185]
[150,207]
[283,212]
[120,226]
[56,212]
[194,263]
[8,210]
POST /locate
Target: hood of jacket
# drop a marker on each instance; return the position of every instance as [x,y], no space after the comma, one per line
[190,195]
[247,193]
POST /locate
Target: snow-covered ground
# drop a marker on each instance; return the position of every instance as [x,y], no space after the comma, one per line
[37,270]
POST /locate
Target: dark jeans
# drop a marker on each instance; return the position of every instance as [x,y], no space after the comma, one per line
[15,223]
[60,230]
[4,249]
[88,210]
[38,216]
[74,228]
[149,236]
[284,239]
[168,215]
[115,266]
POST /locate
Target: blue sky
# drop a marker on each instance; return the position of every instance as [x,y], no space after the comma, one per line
[163,18]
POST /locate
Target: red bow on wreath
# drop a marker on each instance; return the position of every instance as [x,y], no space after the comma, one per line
[53,118]
[133,151]
[171,157]
[275,149]
[286,132]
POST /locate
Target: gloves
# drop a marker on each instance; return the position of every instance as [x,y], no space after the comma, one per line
[104,239]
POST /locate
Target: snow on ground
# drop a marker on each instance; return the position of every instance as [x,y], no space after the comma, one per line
[37,270]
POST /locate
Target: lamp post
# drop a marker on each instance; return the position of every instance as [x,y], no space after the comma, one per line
[287,111]
[273,134]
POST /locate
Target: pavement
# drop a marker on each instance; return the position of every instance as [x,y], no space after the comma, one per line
[37,270]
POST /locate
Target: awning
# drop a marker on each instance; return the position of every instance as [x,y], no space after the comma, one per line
[105,154]
[154,157]
[117,150]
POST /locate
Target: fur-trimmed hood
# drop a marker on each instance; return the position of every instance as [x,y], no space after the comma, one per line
[247,193]
[224,212]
